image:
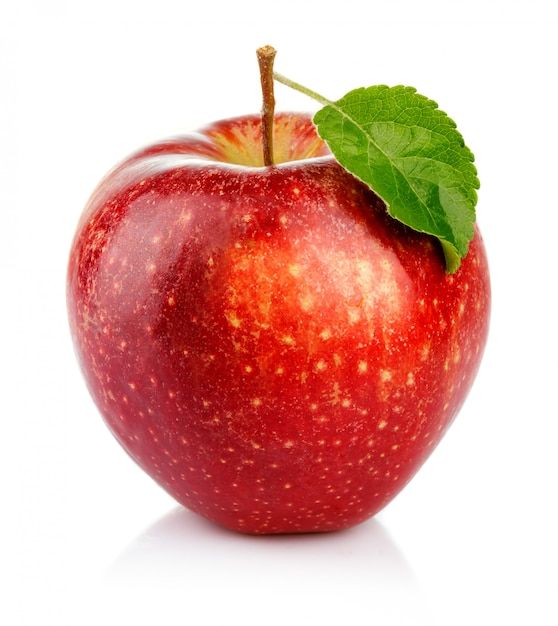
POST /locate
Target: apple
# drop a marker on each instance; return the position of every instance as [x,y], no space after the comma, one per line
[266,342]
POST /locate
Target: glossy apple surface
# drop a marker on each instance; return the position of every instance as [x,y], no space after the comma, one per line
[266,343]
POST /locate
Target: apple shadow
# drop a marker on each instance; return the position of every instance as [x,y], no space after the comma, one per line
[182,548]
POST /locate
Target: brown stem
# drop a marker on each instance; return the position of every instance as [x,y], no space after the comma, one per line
[266,56]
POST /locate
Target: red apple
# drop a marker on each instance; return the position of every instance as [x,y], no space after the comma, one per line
[266,342]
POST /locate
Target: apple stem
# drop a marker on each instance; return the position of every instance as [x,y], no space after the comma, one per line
[266,56]
[298,87]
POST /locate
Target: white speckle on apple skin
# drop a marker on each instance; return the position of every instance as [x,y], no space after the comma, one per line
[239,336]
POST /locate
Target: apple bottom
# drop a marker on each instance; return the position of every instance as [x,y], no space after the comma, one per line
[294,508]
[289,443]
[244,483]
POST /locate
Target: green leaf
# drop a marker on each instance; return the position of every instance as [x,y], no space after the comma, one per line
[411,155]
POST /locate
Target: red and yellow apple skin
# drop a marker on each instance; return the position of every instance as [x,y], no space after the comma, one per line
[265,342]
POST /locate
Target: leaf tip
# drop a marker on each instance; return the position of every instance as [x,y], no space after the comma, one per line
[451,256]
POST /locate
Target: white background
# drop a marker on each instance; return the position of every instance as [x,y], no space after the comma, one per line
[87,538]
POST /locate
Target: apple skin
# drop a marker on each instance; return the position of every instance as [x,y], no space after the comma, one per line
[266,343]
